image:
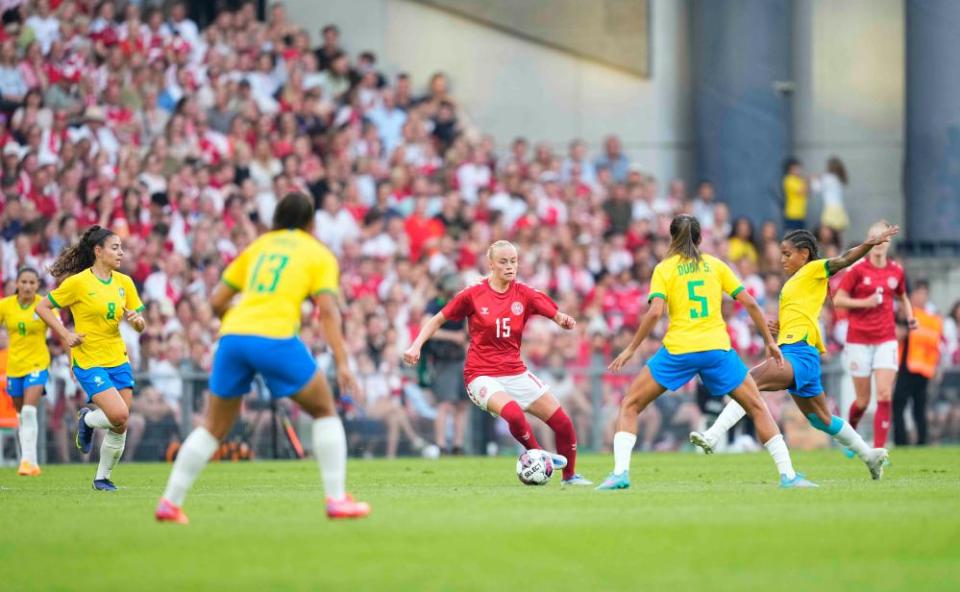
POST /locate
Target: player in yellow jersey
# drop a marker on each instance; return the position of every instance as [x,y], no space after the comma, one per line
[98,297]
[260,335]
[801,300]
[690,285]
[27,362]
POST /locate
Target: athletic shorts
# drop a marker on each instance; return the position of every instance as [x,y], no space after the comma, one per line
[17,385]
[720,370]
[805,360]
[285,365]
[95,380]
[863,359]
[523,388]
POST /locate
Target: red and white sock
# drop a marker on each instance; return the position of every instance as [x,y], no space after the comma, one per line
[561,425]
[855,413]
[519,426]
[881,424]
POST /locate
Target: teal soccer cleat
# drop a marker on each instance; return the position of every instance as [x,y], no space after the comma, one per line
[799,481]
[615,481]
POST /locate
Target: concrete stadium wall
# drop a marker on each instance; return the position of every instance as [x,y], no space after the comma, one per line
[510,86]
[849,100]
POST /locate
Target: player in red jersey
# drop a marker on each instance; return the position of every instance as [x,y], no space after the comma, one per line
[497,309]
[868,290]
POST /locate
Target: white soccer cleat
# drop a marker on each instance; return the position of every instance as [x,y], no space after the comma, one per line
[703,442]
[875,461]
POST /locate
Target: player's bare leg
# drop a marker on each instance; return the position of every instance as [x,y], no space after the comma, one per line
[862,388]
[111,416]
[642,391]
[768,376]
[549,410]
[748,396]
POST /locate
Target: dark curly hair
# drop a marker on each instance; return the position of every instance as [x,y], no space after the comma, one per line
[803,239]
[80,256]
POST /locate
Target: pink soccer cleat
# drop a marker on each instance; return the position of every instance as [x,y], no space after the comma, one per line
[347,508]
[167,512]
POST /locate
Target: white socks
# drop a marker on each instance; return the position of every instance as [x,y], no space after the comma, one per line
[97,419]
[731,414]
[849,438]
[623,443]
[778,450]
[28,434]
[194,455]
[110,452]
[330,450]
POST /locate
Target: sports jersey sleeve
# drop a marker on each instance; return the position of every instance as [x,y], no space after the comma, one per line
[235,275]
[327,276]
[133,301]
[729,282]
[65,294]
[850,279]
[541,304]
[459,308]
[658,285]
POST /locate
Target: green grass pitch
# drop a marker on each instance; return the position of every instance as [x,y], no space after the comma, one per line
[689,523]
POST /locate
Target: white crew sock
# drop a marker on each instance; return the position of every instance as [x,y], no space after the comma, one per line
[330,450]
[848,437]
[28,434]
[623,443]
[97,419]
[194,455]
[778,450]
[110,452]
[731,414]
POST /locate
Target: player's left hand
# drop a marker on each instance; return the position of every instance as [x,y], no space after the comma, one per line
[882,237]
[566,321]
[346,381]
[136,319]
[774,352]
[621,360]
[913,324]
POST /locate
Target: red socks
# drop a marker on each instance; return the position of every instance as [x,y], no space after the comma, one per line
[881,424]
[561,425]
[855,414]
[519,426]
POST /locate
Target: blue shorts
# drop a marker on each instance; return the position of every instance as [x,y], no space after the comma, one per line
[95,380]
[285,365]
[805,360]
[16,385]
[720,370]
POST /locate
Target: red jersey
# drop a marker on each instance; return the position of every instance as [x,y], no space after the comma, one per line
[872,326]
[496,323]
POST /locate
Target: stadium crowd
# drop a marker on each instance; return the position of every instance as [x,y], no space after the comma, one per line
[182,140]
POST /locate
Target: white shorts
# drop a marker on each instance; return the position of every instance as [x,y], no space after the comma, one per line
[523,388]
[863,359]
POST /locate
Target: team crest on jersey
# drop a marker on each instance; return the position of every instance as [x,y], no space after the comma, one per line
[892,282]
[516,308]
[484,310]
[867,281]
[121,292]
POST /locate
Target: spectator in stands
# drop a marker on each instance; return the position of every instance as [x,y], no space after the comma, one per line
[153,427]
[613,159]
[795,195]
[741,243]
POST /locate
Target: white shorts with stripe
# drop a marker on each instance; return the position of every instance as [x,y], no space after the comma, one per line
[523,388]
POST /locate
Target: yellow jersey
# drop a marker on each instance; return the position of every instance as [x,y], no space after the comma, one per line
[795,195]
[801,300]
[694,292]
[28,337]
[97,307]
[274,275]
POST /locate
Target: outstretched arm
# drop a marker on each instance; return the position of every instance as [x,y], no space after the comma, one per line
[564,320]
[835,264]
[412,355]
[647,323]
[753,309]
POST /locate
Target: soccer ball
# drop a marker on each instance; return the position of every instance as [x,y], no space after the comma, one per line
[534,467]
